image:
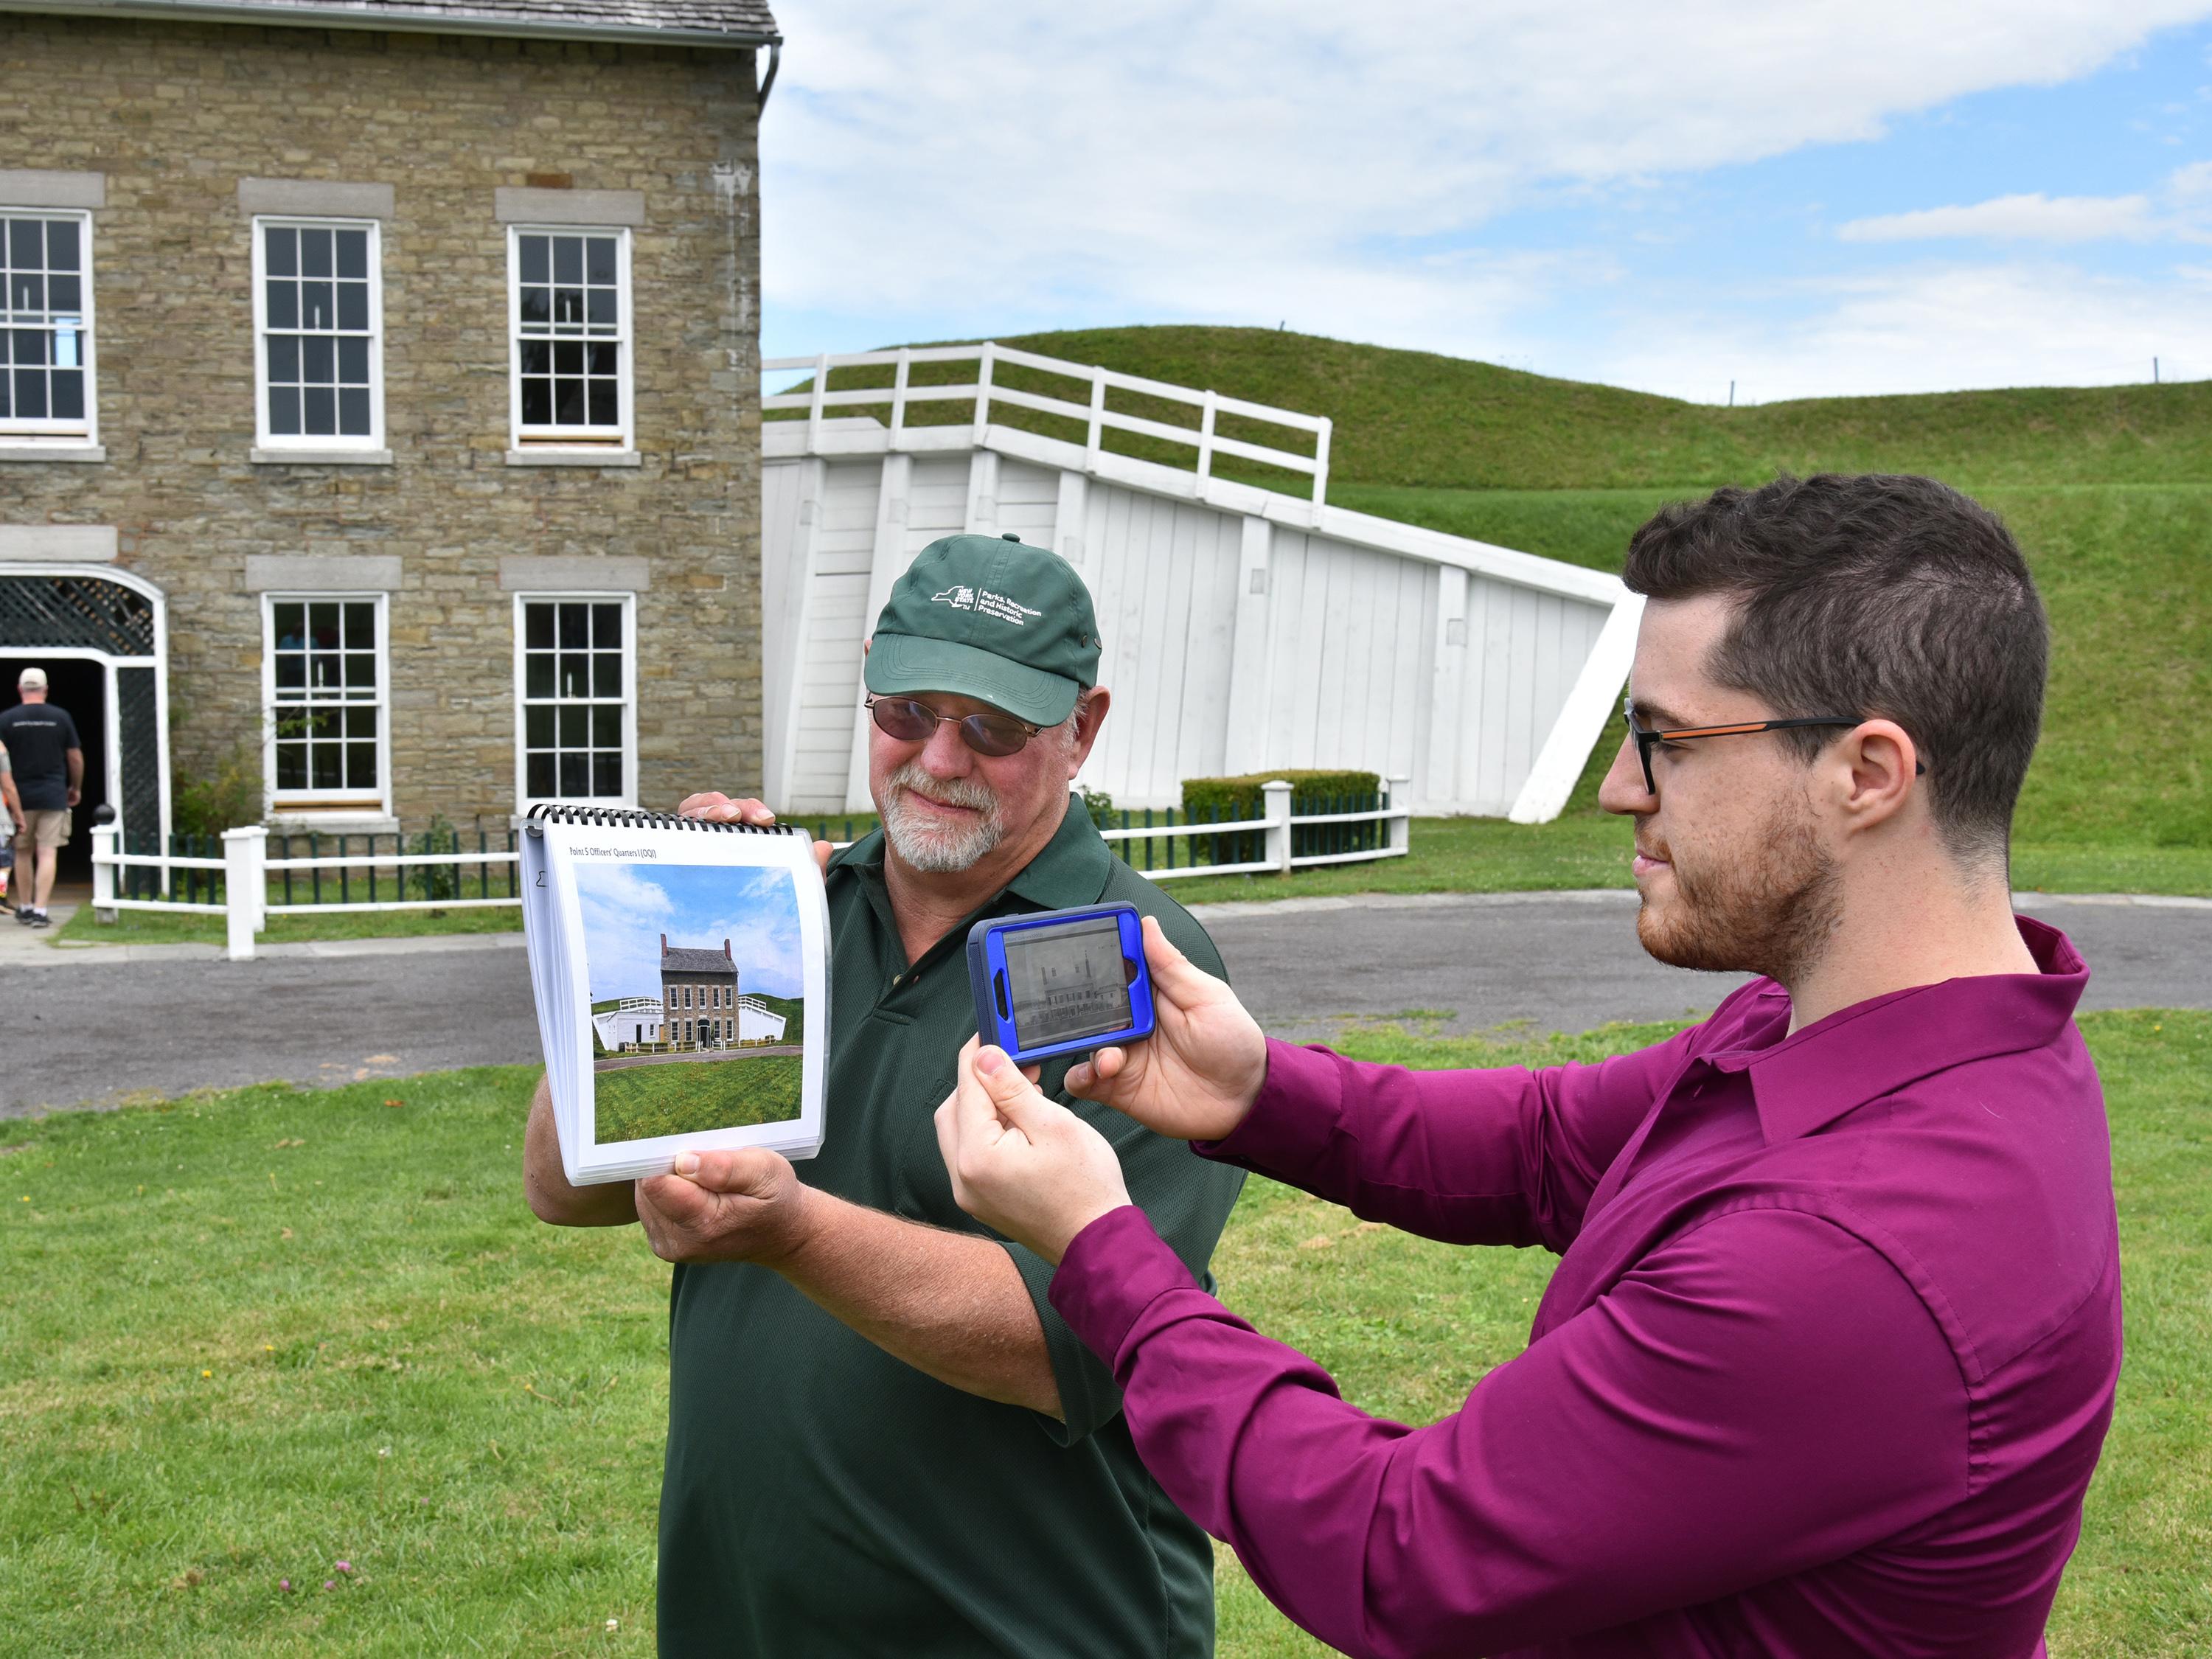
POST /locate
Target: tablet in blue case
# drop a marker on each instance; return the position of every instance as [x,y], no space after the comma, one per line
[1057,982]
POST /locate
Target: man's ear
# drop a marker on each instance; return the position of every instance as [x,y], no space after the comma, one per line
[1090,715]
[1879,773]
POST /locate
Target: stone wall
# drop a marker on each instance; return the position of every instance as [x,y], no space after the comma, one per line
[175,116]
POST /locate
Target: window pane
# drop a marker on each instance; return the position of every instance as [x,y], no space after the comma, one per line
[30,345]
[537,358]
[7,394]
[567,403]
[537,674]
[535,261]
[315,254]
[353,360]
[359,625]
[576,775]
[291,766]
[283,252]
[322,619]
[602,253]
[568,305]
[360,722]
[537,402]
[353,253]
[360,766]
[361,674]
[62,245]
[600,308]
[68,394]
[353,305]
[291,671]
[538,625]
[567,357]
[606,674]
[30,393]
[606,626]
[284,412]
[537,726]
[538,778]
[353,411]
[291,625]
[318,412]
[575,620]
[315,306]
[606,775]
[606,727]
[323,766]
[605,403]
[27,241]
[65,294]
[285,358]
[574,725]
[536,305]
[567,258]
[283,305]
[576,675]
[318,359]
[323,668]
[27,291]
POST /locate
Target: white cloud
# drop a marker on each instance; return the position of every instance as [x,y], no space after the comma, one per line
[992,166]
[1935,328]
[2036,218]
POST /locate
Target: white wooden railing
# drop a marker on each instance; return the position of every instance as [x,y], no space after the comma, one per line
[1097,420]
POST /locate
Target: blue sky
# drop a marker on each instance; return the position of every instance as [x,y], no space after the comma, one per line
[1877,196]
[627,907]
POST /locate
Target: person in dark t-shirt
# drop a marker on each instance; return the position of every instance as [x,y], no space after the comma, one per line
[49,763]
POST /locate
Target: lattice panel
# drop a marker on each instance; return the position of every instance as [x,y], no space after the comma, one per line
[138,743]
[41,612]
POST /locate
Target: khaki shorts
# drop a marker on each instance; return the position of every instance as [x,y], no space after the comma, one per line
[46,827]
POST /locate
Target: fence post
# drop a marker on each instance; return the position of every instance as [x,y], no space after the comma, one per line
[1402,829]
[245,880]
[1277,795]
[106,843]
[983,391]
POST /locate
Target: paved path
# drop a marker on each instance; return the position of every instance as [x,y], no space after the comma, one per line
[100,1026]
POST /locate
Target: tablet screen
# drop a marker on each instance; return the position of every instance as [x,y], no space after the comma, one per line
[1067,981]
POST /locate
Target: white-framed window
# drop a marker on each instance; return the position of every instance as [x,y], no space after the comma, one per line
[576,694]
[46,390]
[568,305]
[318,334]
[326,691]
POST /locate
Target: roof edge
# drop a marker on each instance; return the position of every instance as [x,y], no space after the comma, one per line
[347,17]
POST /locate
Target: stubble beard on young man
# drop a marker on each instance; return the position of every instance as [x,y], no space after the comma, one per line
[1768,906]
[931,848]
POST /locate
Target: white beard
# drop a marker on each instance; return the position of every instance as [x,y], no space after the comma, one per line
[924,845]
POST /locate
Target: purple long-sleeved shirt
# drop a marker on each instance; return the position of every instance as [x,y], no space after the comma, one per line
[1824,1369]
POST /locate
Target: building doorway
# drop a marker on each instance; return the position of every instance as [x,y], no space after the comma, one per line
[80,685]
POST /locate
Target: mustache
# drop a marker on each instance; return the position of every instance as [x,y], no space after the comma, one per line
[946,792]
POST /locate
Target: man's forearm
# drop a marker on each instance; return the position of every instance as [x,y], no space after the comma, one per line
[949,1305]
[545,1184]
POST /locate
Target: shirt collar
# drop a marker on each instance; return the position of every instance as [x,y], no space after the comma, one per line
[1807,1081]
[1070,869]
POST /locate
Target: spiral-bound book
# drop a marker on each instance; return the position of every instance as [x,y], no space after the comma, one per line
[682,974]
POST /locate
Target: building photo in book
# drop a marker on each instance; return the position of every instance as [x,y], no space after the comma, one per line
[697,1006]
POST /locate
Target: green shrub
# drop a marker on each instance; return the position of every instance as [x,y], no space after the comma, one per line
[223,792]
[1227,800]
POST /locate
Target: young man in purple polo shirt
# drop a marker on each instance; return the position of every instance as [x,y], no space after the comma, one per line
[1830,1352]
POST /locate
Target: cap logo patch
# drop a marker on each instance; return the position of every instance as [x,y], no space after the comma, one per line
[988,604]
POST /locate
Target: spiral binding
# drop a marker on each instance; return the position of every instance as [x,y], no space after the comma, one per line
[630,818]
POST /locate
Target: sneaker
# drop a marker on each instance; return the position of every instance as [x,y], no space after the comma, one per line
[39,919]
[25,915]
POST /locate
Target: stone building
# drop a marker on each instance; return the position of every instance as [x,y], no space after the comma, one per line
[698,996]
[382,418]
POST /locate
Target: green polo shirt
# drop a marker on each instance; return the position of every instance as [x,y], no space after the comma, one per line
[822,1498]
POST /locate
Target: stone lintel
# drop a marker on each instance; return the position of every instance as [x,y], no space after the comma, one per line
[315,198]
[530,573]
[322,573]
[87,544]
[43,187]
[513,206]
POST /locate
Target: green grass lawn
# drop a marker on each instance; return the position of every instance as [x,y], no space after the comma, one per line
[243,1337]
[674,1097]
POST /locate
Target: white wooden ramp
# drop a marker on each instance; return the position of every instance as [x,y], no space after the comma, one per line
[1244,628]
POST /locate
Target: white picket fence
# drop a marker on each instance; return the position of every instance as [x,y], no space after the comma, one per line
[246,866]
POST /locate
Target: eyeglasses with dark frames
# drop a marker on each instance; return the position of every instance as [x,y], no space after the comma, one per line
[1647,740]
[911,720]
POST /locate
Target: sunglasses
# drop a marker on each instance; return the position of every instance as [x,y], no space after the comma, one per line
[911,720]
[1648,739]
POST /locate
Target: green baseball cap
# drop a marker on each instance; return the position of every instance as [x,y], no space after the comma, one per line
[986,617]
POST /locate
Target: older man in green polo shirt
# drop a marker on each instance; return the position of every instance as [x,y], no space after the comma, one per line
[883,1440]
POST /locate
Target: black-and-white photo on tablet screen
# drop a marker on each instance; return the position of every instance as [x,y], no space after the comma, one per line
[1067,981]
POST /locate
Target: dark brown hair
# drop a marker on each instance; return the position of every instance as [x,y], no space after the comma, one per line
[1873,595]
